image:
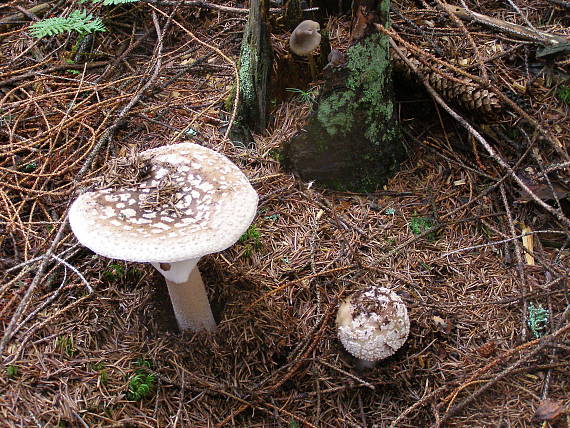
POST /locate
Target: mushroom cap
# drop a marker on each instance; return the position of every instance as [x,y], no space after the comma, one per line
[373,323]
[305,38]
[206,204]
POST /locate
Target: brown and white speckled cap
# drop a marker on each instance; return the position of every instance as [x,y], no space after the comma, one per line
[211,205]
[373,323]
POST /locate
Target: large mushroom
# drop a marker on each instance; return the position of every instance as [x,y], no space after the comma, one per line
[304,40]
[372,324]
[188,201]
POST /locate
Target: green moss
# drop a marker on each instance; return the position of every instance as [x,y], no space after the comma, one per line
[352,141]
[564,94]
[369,68]
[11,371]
[336,113]
[246,86]
[384,12]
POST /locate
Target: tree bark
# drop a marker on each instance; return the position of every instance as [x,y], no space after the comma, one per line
[255,63]
[351,140]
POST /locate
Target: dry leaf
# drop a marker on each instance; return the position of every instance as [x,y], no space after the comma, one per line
[361,23]
[543,191]
[441,324]
[487,349]
[548,410]
[528,244]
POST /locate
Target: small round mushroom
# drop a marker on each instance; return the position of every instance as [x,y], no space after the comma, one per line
[304,39]
[336,59]
[188,202]
[372,324]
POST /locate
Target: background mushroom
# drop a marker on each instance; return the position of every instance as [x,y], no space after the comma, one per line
[304,39]
[187,201]
[372,324]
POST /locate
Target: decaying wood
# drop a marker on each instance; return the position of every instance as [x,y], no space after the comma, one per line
[37,10]
[292,13]
[515,30]
[351,139]
[254,70]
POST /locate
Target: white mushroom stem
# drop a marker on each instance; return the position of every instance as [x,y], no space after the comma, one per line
[188,295]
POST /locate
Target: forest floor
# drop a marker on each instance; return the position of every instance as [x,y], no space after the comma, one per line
[482,264]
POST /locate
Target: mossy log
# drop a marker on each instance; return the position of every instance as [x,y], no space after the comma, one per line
[351,140]
[255,64]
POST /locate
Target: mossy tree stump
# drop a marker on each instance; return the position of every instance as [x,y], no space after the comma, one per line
[254,70]
[351,139]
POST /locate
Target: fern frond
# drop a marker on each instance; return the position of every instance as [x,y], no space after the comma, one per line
[78,20]
[48,27]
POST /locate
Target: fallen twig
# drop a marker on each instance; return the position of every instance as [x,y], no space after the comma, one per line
[519,31]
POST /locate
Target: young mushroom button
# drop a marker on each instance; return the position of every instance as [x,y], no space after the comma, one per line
[190,202]
[372,324]
[304,39]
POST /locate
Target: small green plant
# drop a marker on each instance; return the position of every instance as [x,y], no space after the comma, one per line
[140,386]
[114,272]
[141,383]
[272,217]
[79,20]
[252,234]
[419,225]
[307,97]
[98,366]
[104,377]
[276,154]
[537,319]
[103,373]
[11,371]
[252,240]
[293,423]
[30,167]
[191,132]
[143,363]
[65,345]
[564,94]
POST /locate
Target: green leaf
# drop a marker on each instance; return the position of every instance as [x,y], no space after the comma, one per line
[78,20]
[140,385]
[419,225]
[252,236]
[11,371]
[564,94]
[537,319]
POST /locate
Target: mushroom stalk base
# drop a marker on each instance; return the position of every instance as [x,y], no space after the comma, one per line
[364,365]
[190,303]
[312,67]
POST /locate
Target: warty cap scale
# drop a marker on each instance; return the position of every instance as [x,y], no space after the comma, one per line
[211,205]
